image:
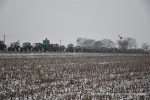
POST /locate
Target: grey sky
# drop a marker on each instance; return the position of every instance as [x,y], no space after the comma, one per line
[34,20]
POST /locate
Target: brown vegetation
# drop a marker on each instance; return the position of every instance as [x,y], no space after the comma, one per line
[75,76]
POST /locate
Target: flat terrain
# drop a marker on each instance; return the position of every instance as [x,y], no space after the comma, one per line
[74,76]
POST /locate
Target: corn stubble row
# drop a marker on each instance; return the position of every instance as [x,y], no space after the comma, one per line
[75,77]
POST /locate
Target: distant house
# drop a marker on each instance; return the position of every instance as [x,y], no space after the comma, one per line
[55,45]
[2,46]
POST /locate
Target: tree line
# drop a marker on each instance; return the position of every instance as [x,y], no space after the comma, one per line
[123,45]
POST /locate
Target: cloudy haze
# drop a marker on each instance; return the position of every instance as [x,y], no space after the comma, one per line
[34,20]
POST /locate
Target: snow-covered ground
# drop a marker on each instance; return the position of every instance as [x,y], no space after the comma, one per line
[74,76]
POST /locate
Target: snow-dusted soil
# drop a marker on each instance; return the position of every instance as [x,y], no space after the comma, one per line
[66,76]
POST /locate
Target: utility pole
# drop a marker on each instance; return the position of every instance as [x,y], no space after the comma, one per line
[60,42]
[4,39]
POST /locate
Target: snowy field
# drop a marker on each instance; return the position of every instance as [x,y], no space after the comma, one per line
[74,76]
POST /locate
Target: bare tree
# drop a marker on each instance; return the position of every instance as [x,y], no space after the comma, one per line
[145,46]
[127,43]
[85,43]
[132,44]
[80,41]
[70,47]
[26,46]
[98,44]
[89,43]
[15,46]
[107,43]
[122,44]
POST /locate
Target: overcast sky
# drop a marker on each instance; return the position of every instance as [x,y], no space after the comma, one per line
[34,20]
